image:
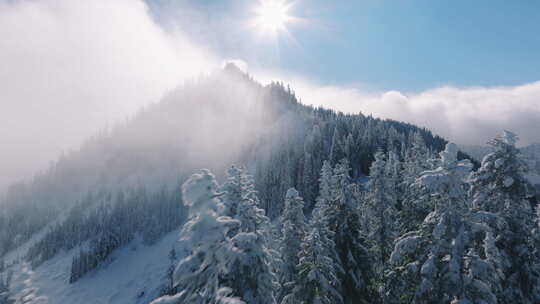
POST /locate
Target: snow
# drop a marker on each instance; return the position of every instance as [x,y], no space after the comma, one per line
[509,138]
[404,246]
[134,276]
[18,253]
[508,181]
[200,190]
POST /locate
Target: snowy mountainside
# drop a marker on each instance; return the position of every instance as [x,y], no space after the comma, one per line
[213,122]
[121,188]
[134,275]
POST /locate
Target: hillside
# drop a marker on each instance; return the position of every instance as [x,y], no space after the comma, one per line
[223,119]
[121,187]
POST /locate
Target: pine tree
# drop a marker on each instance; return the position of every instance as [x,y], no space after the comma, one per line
[336,150]
[309,173]
[353,257]
[416,202]
[323,217]
[173,259]
[381,213]
[500,190]
[293,232]
[317,276]
[325,183]
[232,191]
[196,277]
[427,266]
[393,170]
[415,158]
[251,277]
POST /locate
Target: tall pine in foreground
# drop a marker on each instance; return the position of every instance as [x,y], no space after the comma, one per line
[317,276]
[197,276]
[250,277]
[427,265]
[500,190]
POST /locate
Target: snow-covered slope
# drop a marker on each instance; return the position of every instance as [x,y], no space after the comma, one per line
[134,276]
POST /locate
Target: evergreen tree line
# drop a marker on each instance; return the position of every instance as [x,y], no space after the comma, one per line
[97,229]
[421,230]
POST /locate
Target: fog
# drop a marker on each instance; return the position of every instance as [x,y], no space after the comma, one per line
[72,68]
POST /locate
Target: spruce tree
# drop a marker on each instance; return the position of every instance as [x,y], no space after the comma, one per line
[356,280]
[251,277]
[427,265]
[380,213]
[293,232]
[317,276]
[500,190]
[197,276]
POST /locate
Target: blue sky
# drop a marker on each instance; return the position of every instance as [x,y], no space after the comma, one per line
[381,44]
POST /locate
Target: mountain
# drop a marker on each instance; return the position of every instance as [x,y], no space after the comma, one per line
[78,221]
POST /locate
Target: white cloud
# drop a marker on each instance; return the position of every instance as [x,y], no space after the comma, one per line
[67,68]
[464,115]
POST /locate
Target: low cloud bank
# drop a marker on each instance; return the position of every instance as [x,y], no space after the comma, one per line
[463,115]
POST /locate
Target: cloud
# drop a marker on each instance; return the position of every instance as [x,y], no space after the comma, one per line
[70,67]
[463,115]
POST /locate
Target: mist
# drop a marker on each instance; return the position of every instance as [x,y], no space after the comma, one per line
[71,68]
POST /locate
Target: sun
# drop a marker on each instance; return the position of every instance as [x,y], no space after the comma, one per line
[272,15]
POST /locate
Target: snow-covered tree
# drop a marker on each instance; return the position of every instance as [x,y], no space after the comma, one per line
[169,289]
[393,171]
[317,276]
[352,255]
[293,232]
[500,183]
[416,202]
[415,158]
[500,190]
[251,277]
[196,276]
[427,266]
[313,153]
[252,218]
[322,218]
[336,149]
[232,191]
[381,213]
[325,183]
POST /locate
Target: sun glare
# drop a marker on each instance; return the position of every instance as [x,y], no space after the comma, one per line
[272,15]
